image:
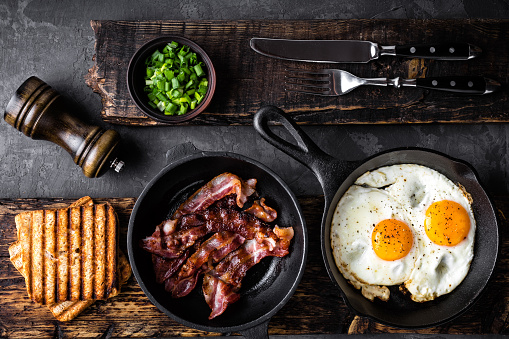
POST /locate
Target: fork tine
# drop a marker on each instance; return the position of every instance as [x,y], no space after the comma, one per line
[327,93]
[302,79]
[301,74]
[307,89]
[322,72]
[308,82]
[309,86]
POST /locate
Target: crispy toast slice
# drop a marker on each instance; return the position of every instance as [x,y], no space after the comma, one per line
[69,254]
[68,310]
[95,240]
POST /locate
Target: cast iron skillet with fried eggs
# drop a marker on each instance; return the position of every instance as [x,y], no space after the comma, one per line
[336,176]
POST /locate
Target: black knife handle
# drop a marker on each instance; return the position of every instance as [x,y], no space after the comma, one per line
[459,84]
[453,51]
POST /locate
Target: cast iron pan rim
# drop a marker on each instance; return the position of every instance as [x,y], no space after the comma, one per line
[470,303]
[423,150]
[266,317]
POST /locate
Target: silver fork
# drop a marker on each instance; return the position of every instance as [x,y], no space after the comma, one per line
[334,82]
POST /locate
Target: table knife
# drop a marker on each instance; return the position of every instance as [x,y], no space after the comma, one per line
[356,51]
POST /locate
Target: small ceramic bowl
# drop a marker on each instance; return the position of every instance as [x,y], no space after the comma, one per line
[136,78]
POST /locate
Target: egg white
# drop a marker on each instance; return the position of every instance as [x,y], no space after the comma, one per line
[356,215]
[435,270]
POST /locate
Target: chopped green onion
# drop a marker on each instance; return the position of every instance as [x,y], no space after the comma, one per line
[176,93]
[160,84]
[181,77]
[199,71]
[161,106]
[175,83]
[183,109]
[171,108]
[168,74]
[161,96]
[151,96]
[175,80]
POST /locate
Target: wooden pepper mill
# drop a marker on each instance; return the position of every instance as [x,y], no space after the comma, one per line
[39,112]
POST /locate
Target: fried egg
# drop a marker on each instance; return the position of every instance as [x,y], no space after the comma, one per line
[372,240]
[439,215]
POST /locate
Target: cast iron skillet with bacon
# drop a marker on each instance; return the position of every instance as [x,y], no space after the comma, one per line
[183,248]
[266,286]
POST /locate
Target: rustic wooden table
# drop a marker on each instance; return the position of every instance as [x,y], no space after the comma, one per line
[315,308]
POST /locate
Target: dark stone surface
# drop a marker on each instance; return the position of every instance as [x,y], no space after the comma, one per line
[53,40]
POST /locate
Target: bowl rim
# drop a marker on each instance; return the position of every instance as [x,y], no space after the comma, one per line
[139,57]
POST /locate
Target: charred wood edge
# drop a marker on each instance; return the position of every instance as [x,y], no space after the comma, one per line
[94,80]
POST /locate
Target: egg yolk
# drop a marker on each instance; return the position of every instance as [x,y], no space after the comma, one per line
[447,223]
[392,239]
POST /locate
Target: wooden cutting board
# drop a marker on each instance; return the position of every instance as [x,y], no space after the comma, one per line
[315,308]
[247,80]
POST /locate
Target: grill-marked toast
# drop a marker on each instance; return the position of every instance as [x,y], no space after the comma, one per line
[69,257]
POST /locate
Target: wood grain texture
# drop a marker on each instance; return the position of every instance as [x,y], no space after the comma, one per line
[315,308]
[247,80]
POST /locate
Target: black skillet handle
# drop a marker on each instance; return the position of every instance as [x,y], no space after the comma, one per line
[306,151]
[328,170]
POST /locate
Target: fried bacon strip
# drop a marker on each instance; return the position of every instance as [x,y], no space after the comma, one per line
[213,220]
[262,211]
[218,295]
[233,268]
[164,268]
[154,243]
[216,189]
[221,284]
[213,249]
[240,240]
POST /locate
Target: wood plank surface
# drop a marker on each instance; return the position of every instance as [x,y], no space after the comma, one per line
[247,80]
[315,308]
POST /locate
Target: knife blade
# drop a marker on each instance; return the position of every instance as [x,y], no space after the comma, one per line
[357,51]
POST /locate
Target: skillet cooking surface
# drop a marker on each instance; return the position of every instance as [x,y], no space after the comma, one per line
[267,286]
[400,310]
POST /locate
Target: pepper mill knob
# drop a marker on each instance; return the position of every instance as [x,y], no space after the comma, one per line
[41,113]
